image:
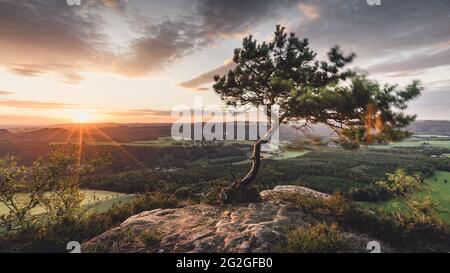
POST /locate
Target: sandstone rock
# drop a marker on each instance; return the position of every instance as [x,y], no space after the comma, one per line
[255,227]
[279,191]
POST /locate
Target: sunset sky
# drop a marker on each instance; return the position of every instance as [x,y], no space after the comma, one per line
[134,60]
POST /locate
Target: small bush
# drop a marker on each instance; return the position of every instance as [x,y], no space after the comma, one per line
[420,213]
[320,238]
[338,205]
[151,238]
[184,193]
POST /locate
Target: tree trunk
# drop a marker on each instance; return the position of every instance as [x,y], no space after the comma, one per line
[228,194]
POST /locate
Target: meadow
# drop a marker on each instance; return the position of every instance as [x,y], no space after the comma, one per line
[414,142]
[437,186]
[95,200]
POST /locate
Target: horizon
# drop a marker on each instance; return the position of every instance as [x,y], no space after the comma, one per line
[114,124]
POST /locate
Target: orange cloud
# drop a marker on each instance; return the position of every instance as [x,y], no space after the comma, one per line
[34,104]
[309,10]
[4,93]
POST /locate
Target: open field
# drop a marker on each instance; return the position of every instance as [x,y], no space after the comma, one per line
[436,187]
[105,205]
[99,201]
[416,142]
[289,154]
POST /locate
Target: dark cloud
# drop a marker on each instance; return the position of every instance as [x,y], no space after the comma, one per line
[233,16]
[372,32]
[206,77]
[168,41]
[48,37]
[162,44]
[376,31]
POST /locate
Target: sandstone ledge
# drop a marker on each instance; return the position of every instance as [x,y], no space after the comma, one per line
[255,227]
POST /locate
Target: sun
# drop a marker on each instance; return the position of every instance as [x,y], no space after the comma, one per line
[82,117]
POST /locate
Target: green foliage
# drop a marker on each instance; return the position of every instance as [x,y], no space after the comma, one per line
[278,72]
[399,184]
[416,230]
[12,182]
[351,172]
[285,72]
[184,193]
[53,236]
[320,238]
[60,175]
[419,213]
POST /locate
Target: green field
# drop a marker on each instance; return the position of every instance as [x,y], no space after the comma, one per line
[289,154]
[98,201]
[414,142]
[436,188]
[105,205]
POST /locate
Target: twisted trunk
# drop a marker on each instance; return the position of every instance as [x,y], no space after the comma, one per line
[228,194]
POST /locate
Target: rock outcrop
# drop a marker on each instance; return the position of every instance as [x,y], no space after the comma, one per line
[255,227]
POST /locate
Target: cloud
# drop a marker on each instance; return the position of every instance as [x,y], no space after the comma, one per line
[49,36]
[374,33]
[40,37]
[377,31]
[432,105]
[4,93]
[442,85]
[115,4]
[207,77]
[168,41]
[162,44]
[141,112]
[34,104]
[309,10]
[74,39]
[234,16]
[14,120]
[417,62]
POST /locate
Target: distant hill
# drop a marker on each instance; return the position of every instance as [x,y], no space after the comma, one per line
[4,132]
[431,127]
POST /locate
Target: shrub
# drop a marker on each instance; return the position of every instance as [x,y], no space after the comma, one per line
[420,213]
[53,237]
[184,193]
[320,238]
[399,184]
[151,238]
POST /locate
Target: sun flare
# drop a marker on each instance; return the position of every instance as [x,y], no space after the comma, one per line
[82,117]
